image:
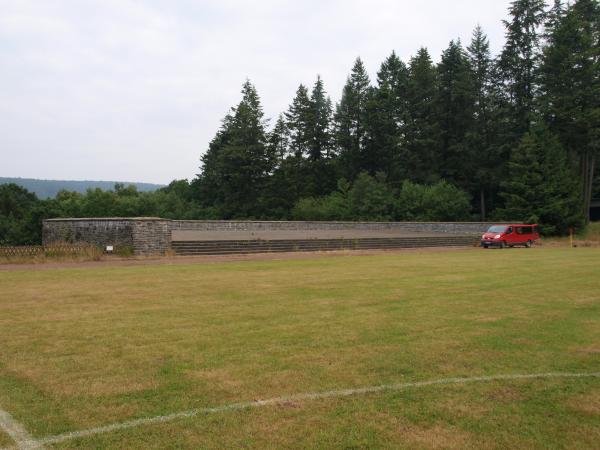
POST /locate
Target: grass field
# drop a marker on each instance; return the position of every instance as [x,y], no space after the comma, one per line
[82,348]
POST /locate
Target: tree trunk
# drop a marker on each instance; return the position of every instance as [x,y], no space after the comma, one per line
[588,164]
[482,204]
[592,167]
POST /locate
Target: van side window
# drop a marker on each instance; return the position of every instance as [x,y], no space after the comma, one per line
[509,230]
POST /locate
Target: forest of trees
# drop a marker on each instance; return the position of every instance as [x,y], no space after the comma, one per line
[514,136]
[50,188]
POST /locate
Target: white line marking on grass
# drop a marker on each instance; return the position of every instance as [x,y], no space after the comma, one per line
[297,397]
[18,433]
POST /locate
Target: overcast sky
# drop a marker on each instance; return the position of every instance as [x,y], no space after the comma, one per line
[135,90]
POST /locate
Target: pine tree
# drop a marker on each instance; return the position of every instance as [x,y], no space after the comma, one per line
[553,19]
[519,60]
[320,120]
[418,154]
[483,138]
[350,119]
[386,114]
[279,141]
[455,108]
[299,123]
[571,88]
[236,166]
[541,187]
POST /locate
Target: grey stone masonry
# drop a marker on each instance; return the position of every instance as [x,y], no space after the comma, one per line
[153,235]
[242,225]
[101,231]
[145,235]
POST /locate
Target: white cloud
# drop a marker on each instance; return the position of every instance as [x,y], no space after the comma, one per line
[123,89]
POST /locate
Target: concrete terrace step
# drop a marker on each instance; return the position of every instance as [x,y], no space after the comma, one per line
[412,238]
[319,244]
[271,246]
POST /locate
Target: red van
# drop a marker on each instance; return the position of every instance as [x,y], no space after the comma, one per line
[510,235]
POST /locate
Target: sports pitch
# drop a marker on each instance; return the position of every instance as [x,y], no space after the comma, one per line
[458,349]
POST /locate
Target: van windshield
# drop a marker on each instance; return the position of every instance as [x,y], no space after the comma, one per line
[496,229]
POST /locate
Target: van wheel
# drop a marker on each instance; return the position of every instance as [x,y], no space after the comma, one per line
[529,244]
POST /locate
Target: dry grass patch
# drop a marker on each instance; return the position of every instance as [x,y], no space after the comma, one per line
[588,404]
[594,349]
[434,437]
[219,378]
[90,347]
[506,394]
[5,440]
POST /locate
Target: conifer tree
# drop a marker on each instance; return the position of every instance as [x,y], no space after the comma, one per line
[350,119]
[455,107]
[483,138]
[235,167]
[320,133]
[518,61]
[541,187]
[386,121]
[299,123]
[421,130]
[553,18]
[279,140]
[571,88]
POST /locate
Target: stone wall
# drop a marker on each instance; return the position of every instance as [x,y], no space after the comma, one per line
[99,232]
[241,225]
[152,236]
[145,235]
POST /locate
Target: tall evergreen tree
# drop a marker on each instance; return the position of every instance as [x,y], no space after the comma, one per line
[541,187]
[350,119]
[320,121]
[299,122]
[235,167]
[519,59]
[553,18]
[279,140]
[386,114]
[455,108]
[421,130]
[571,88]
[483,138]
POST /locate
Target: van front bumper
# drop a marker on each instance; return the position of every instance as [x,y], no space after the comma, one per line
[490,243]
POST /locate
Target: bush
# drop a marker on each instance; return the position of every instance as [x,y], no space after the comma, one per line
[437,203]
[370,198]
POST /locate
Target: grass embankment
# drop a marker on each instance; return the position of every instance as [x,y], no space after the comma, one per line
[88,347]
[591,232]
[59,253]
[588,237]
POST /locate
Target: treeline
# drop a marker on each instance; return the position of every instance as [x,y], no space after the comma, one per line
[22,213]
[516,133]
[514,136]
[50,188]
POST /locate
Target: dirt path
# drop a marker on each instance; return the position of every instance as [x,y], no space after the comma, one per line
[213,259]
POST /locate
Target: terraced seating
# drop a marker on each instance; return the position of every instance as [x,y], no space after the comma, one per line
[231,247]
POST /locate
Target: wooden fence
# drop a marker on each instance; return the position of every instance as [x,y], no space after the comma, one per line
[50,250]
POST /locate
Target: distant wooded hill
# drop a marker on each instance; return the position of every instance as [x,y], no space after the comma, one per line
[49,188]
